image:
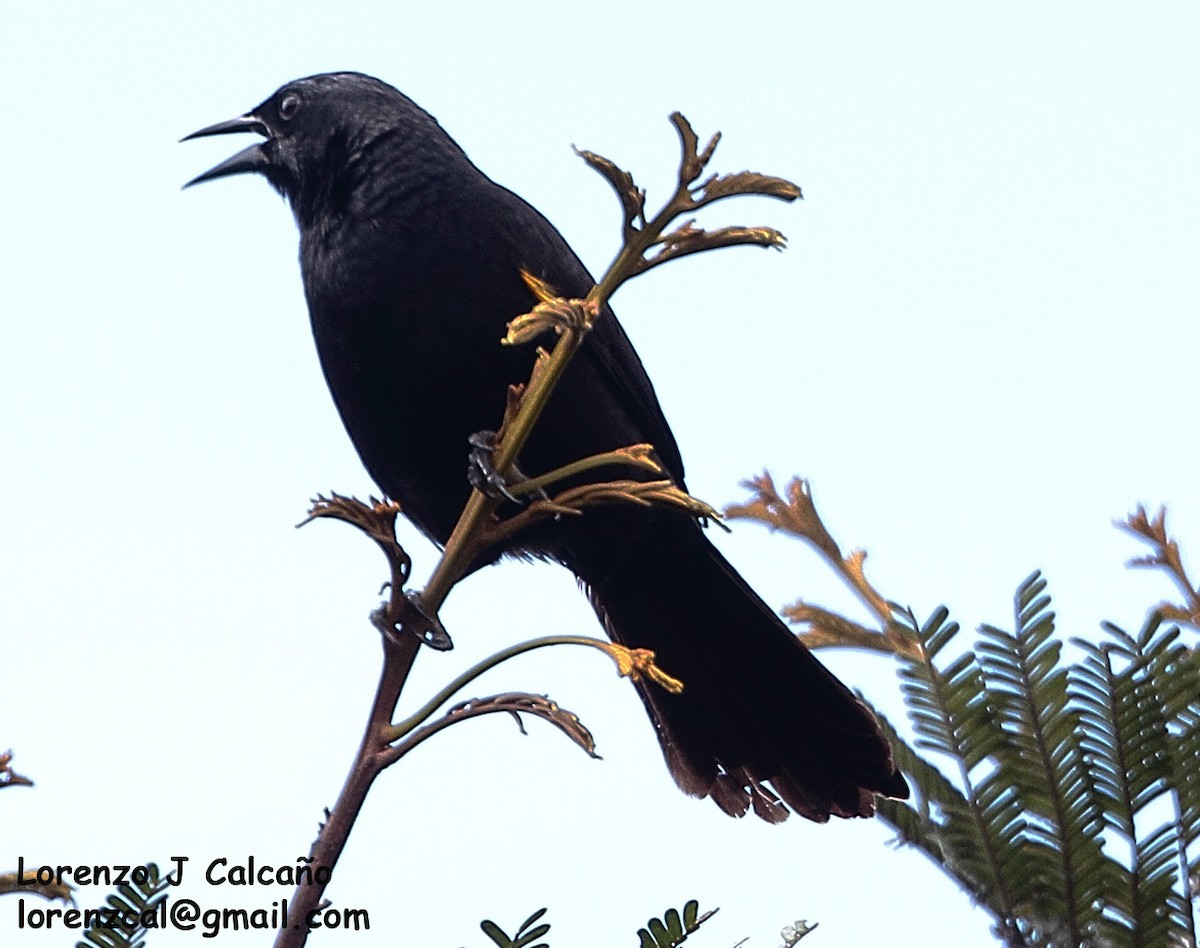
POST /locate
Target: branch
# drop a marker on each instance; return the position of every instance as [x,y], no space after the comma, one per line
[405,620]
[797,515]
[574,500]
[571,320]
[826,629]
[9,777]
[631,663]
[1166,557]
[515,703]
[636,455]
[28,885]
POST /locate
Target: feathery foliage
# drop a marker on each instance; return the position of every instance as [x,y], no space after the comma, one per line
[123,920]
[666,932]
[1063,796]
[1073,818]
[528,932]
[673,928]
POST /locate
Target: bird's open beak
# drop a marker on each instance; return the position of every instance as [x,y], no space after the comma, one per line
[245,161]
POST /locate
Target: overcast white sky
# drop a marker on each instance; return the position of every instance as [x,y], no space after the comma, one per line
[979,347]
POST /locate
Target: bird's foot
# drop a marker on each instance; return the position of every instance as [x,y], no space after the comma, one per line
[482,473]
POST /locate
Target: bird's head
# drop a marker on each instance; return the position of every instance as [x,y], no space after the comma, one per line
[315,129]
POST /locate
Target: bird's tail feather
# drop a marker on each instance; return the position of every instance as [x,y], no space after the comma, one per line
[760,723]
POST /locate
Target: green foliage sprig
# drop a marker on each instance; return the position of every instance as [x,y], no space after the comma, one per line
[672,929]
[123,922]
[1063,796]
[528,932]
[1060,822]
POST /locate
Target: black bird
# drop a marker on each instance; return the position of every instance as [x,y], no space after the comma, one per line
[412,262]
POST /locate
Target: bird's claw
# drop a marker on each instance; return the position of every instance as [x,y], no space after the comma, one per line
[481,469]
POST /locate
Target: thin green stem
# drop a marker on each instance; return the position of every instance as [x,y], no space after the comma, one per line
[464,542]
[582,466]
[395,732]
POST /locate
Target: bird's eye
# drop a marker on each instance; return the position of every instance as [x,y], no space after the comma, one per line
[288,106]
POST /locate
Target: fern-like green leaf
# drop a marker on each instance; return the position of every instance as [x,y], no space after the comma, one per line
[1177,670]
[948,706]
[976,831]
[1161,681]
[137,900]
[525,935]
[495,933]
[1123,733]
[674,927]
[1052,762]
[1041,758]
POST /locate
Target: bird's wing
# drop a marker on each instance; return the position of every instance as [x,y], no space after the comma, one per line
[608,355]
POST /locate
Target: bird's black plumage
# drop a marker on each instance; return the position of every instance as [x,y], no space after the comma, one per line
[411,259]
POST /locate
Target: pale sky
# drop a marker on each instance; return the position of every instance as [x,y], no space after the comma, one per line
[976,347]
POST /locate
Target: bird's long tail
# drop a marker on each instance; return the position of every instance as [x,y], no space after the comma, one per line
[761,722]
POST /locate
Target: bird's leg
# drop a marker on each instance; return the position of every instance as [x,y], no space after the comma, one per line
[482,473]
